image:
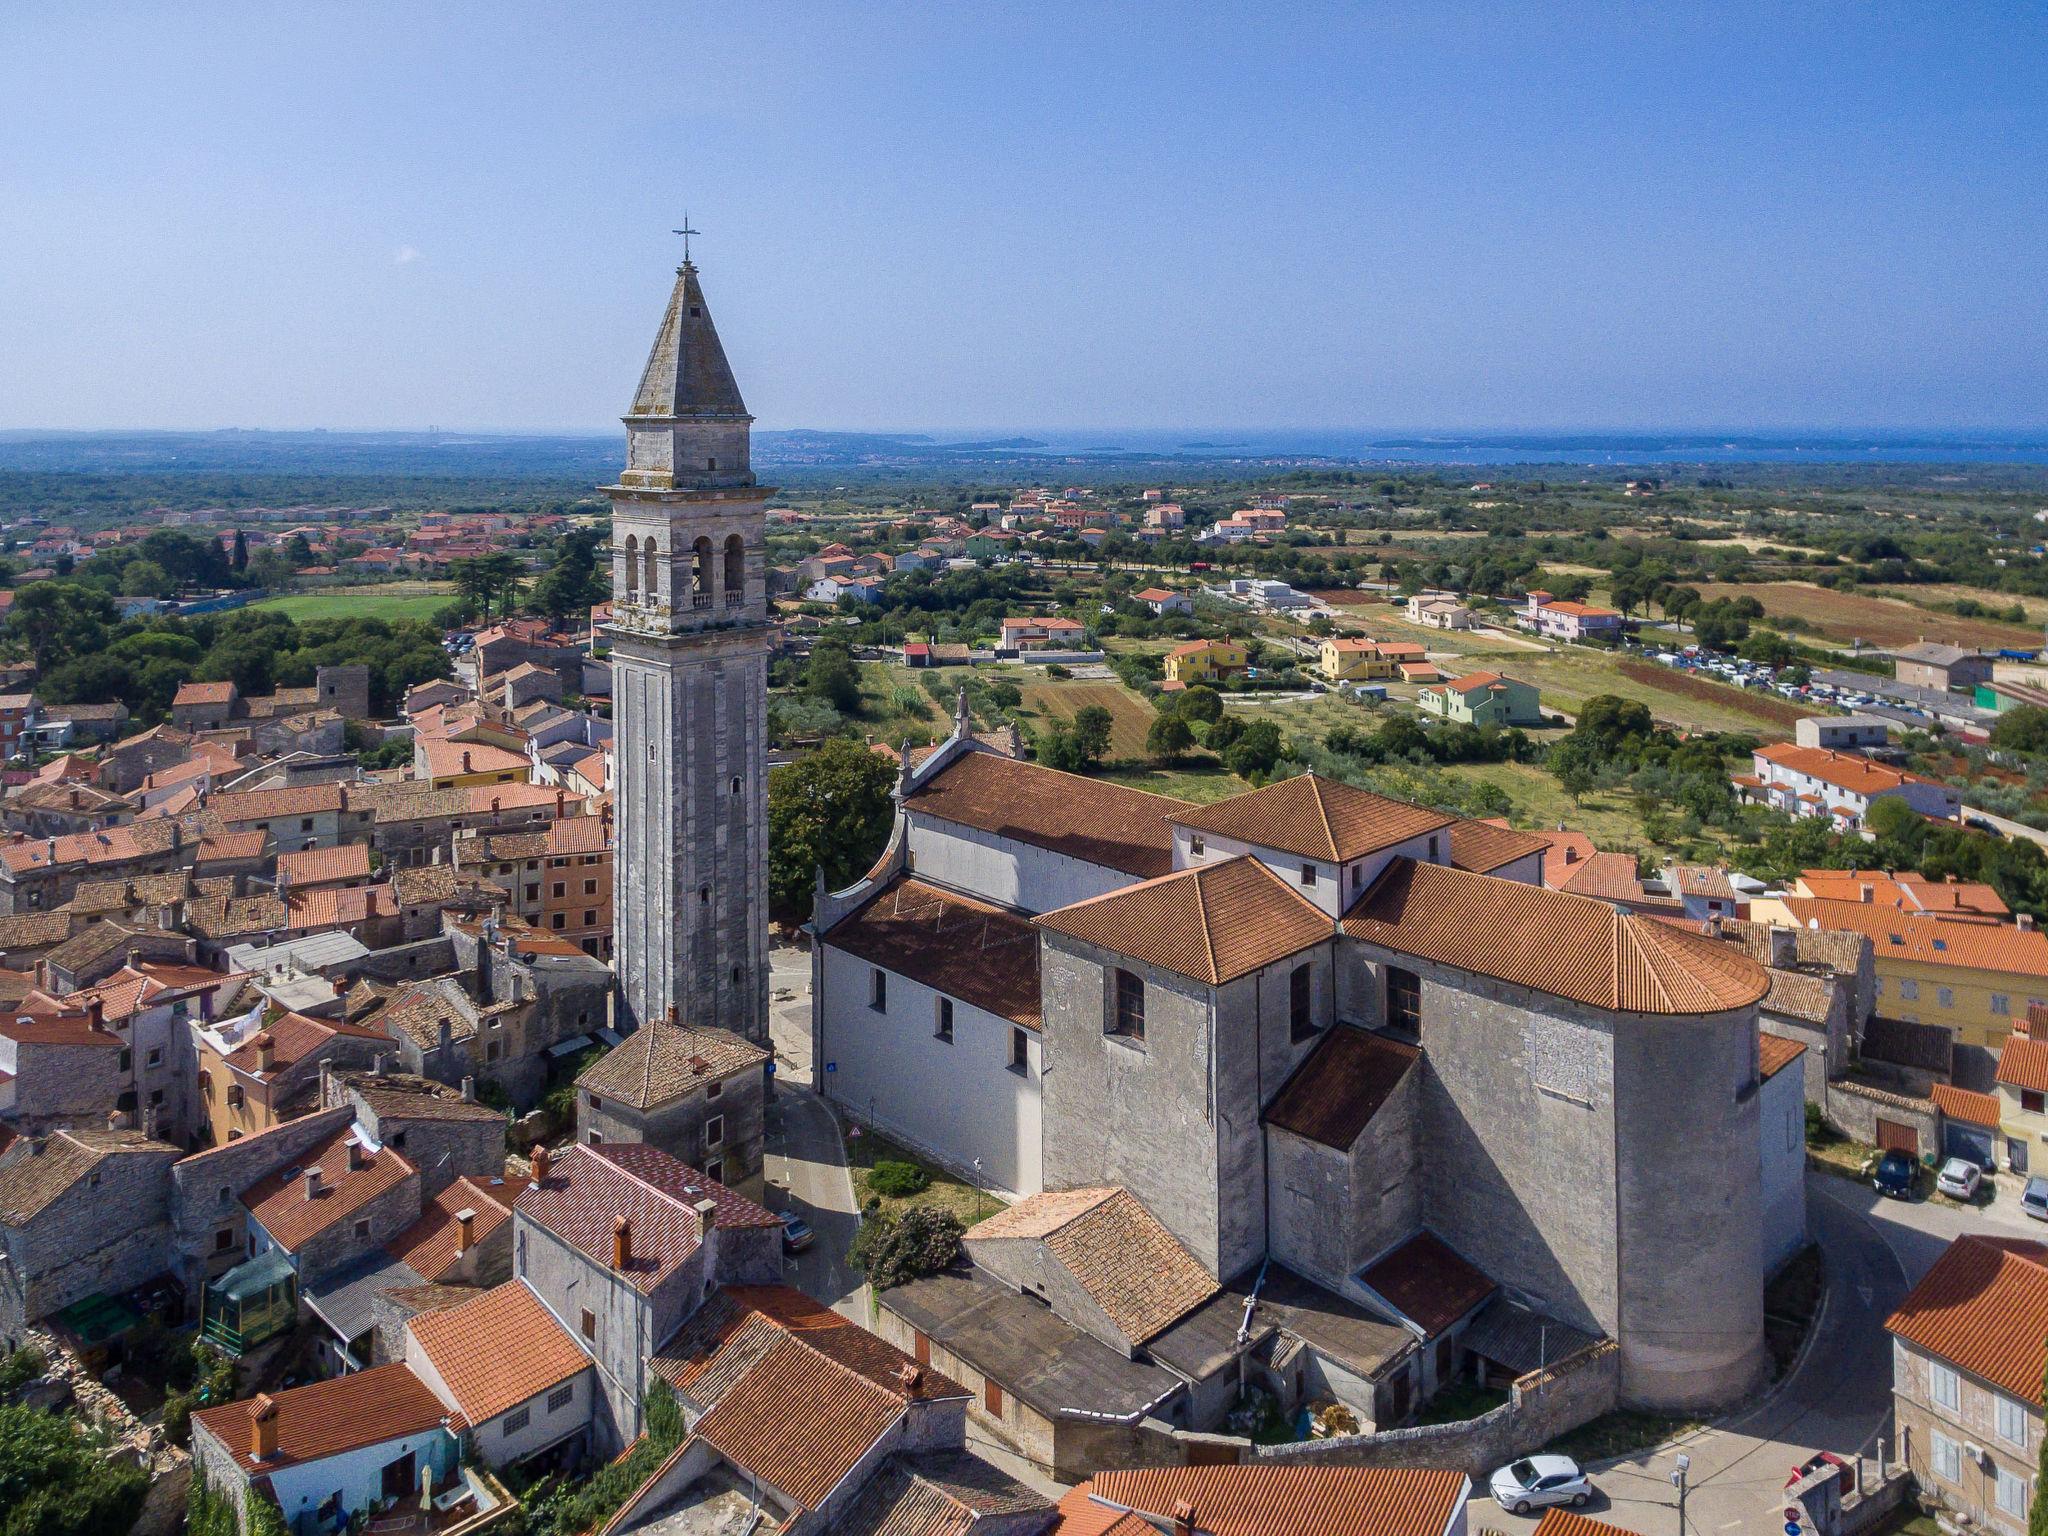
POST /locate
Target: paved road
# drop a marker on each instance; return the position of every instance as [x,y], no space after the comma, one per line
[1839,1397]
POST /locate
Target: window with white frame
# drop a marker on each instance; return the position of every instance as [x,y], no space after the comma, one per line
[2012,1492]
[1948,1458]
[2012,1422]
[1944,1387]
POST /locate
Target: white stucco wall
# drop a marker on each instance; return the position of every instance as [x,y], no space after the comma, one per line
[359,1475]
[956,1101]
[1002,870]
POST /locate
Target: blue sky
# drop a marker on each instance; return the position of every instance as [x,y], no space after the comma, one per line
[1013,216]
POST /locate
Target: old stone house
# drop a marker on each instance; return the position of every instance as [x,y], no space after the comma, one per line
[697,1094]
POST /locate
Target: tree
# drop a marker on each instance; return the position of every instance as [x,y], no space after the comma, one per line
[1201,704]
[58,1481]
[58,620]
[145,578]
[571,585]
[1256,751]
[831,808]
[2023,730]
[240,560]
[831,675]
[1092,727]
[1168,738]
[892,1249]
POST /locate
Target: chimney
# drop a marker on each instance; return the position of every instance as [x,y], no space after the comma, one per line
[380,1063]
[134,958]
[707,1218]
[262,1428]
[622,1242]
[561,803]
[1183,1518]
[1784,948]
[674,1021]
[465,1231]
[117,1119]
[469,1090]
[355,1156]
[95,1013]
[313,1183]
[2025,920]
[1866,893]
[910,1375]
[266,1051]
[327,1095]
[151,1115]
[540,1164]
[465,760]
[34,1145]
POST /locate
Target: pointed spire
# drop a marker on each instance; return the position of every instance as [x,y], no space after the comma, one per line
[687,374]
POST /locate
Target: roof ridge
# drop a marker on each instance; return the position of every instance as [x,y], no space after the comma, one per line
[1202,923]
[1315,785]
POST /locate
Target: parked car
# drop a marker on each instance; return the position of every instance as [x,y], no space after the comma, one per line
[1959,1178]
[796,1232]
[1819,1459]
[2034,1198]
[1894,1176]
[1535,1481]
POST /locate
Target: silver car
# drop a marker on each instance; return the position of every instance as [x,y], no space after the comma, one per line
[2034,1201]
[1535,1481]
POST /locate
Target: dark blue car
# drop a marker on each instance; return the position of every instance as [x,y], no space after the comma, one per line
[1894,1177]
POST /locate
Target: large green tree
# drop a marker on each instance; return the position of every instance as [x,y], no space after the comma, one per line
[56,1480]
[59,620]
[829,809]
[572,584]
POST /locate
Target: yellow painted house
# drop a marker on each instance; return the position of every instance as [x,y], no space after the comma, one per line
[2023,1097]
[1974,976]
[1348,659]
[1204,661]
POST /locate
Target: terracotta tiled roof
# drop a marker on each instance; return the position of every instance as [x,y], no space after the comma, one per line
[129,990]
[327,1418]
[1558,1521]
[107,845]
[1214,922]
[497,1351]
[732,1330]
[30,1184]
[2023,1063]
[278,1202]
[1315,818]
[588,1188]
[1484,846]
[293,1037]
[1927,938]
[429,1245]
[318,866]
[942,1495]
[1983,1307]
[1774,1053]
[204,693]
[1267,1501]
[968,949]
[1105,824]
[1118,1252]
[269,804]
[1907,889]
[1334,1094]
[1963,1105]
[1604,877]
[1844,770]
[1706,880]
[659,1063]
[448,759]
[803,1456]
[1552,941]
[1428,1283]
[39,1020]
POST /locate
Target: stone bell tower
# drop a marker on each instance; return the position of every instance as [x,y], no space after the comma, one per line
[689,655]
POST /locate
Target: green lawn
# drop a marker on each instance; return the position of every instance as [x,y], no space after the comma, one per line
[360,603]
[945,1191]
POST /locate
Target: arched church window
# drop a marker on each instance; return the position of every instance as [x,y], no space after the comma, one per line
[653,574]
[735,570]
[632,565]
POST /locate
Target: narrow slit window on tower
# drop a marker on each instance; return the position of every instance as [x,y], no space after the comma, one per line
[632,565]
[700,571]
[704,895]
[653,576]
[711,463]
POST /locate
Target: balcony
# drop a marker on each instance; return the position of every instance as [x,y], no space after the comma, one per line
[735,599]
[701,601]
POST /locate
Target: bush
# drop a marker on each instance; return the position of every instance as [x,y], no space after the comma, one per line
[891,1250]
[1054,669]
[899,1179]
[21,1368]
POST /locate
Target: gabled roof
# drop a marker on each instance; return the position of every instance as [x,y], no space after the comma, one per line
[686,373]
[1428,1282]
[278,1201]
[968,949]
[945,1494]
[803,1454]
[1927,937]
[1965,1107]
[659,1063]
[31,1182]
[1266,1500]
[429,1245]
[1336,1091]
[1484,846]
[1118,1252]
[1214,923]
[1551,941]
[1082,818]
[1315,818]
[2023,1063]
[1983,1307]
[1775,1053]
[495,1352]
[328,1418]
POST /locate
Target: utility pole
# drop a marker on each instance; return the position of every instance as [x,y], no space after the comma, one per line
[1678,1482]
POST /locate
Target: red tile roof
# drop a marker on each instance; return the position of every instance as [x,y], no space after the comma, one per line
[1484,846]
[968,949]
[1983,1308]
[1105,824]
[1314,818]
[1774,1053]
[803,1455]
[496,1352]
[1428,1283]
[1551,941]
[429,1244]
[327,1418]
[1268,1501]
[278,1201]
[1213,923]
[2024,1063]
[1928,938]
[318,866]
[1334,1094]
[740,1323]
[1963,1105]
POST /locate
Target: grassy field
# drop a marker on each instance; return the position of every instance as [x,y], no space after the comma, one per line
[389,603]
[1383,621]
[945,1191]
[1569,677]
[895,708]
[1051,700]
[1881,621]
[1197,782]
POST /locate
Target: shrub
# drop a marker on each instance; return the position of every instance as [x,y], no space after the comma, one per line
[899,1179]
[21,1368]
[1054,669]
[891,1250]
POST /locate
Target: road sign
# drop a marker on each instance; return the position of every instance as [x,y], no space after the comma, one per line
[831,1066]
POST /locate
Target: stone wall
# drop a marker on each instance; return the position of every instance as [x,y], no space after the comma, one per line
[76,1245]
[1541,1407]
[206,1190]
[1854,1109]
[678,1127]
[408,962]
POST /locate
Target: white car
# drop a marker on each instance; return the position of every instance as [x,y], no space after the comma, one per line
[1535,1481]
[1959,1178]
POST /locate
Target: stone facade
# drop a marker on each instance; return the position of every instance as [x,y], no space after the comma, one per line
[69,1249]
[689,654]
[1935,1439]
[682,1128]
[206,1189]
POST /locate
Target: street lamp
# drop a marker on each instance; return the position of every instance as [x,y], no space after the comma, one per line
[1678,1482]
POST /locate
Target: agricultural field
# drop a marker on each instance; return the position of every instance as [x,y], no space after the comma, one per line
[1048,701]
[1846,617]
[1569,677]
[1609,817]
[1383,621]
[894,708]
[404,600]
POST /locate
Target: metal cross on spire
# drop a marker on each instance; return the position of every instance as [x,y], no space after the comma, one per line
[686,232]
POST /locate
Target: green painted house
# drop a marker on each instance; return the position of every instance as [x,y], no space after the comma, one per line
[1484,698]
